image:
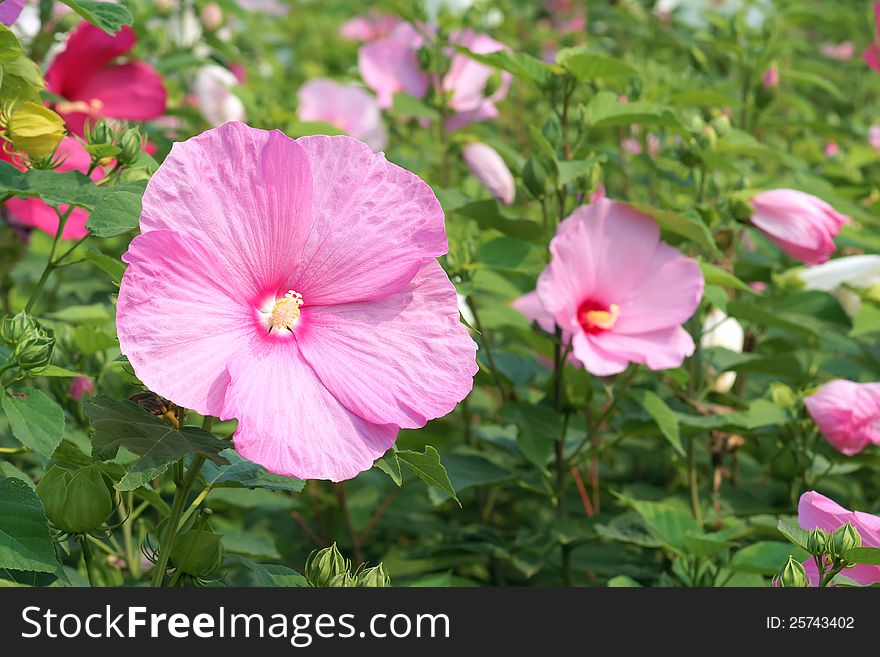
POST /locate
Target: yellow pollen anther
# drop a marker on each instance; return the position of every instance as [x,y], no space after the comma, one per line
[603,319]
[286,310]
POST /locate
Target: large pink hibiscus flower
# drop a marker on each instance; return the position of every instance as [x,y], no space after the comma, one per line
[36,214]
[293,285]
[616,291]
[85,75]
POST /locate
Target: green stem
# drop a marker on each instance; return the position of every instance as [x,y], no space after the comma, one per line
[486,344]
[692,481]
[87,558]
[50,264]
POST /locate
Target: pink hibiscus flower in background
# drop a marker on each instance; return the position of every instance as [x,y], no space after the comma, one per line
[817,511]
[874,137]
[294,285]
[616,291]
[871,55]
[847,414]
[34,213]
[800,224]
[839,51]
[370,27]
[80,387]
[9,11]
[391,65]
[346,106]
[93,85]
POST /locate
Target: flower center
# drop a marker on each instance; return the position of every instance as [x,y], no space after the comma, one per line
[595,317]
[286,311]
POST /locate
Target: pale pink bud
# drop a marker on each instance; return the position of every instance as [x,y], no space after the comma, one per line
[488,167]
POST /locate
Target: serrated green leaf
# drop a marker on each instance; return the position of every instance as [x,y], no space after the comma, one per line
[245,474]
[117,213]
[124,424]
[663,416]
[792,531]
[390,465]
[681,224]
[272,575]
[108,16]
[35,419]
[586,66]
[521,65]
[864,555]
[109,265]
[429,469]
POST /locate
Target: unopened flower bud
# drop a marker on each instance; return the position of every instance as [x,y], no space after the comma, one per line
[197,552]
[535,177]
[99,133]
[374,577]
[493,84]
[708,138]
[427,58]
[722,125]
[36,130]
[325,565]
[75,502]
[817,542]
[845,538]
[342,581]
[792,575]
[26,347]
[212,16]
[130,144]
[770,80]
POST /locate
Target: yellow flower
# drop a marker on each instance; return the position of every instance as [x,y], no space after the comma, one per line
[35,129]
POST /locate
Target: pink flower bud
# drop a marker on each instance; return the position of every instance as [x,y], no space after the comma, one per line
[831,149]
[212,16]
[771,77]
[488,167]
[80,387]
[798,223]
[874,136]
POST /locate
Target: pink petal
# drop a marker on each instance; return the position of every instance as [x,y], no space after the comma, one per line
[412,341]
[289,423]
[530,305]
[667,294]
[86,52]
[659,350]
[132,92]
[847,414]
[9,11]
[246,194]
[594,358]
[180,316]
[374,224]
[349,107]
[489,168]
[391,65]
[872,56]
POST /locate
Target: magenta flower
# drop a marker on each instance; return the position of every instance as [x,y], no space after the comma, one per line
[80,387]
[871,55]
[874,137]
[817,511]
[847,414]
[9,11]
[798,223]
[370,27]
[93,85]
[616,291]
[831,149]
[391,65]
[839,51]
[488,167]
[346,106]
[770,79]
[36,214]
[293,285]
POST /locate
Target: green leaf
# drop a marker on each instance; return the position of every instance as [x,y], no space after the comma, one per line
[521,65]
[864,555]
[681,224]
[117,213]
[539,427]
[765,557]
[55,371]
[244,474]
[429,469]
[663,416]
[109,16]
[623,581]
[25,542]
[407,106]
[488,214]
[669,523]
[107,264]
[792,531]
[586,66]
[254,544]
[754,313]
[714,275]
[35,420]
[271,575]
[505,253]
[58,187]
[866,320]
[764,413]
[390,465]
[605,110]
[157,444]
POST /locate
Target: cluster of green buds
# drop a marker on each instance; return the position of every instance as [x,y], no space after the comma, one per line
[327,568]
[33,131]
[830,553]
[77,501]
[104,143]
[25,347]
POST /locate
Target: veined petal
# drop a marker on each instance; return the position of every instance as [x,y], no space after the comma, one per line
[133,92]
[374,224]
[404,359]
[289,423]
[180,317]
[87,51]
[245,193]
